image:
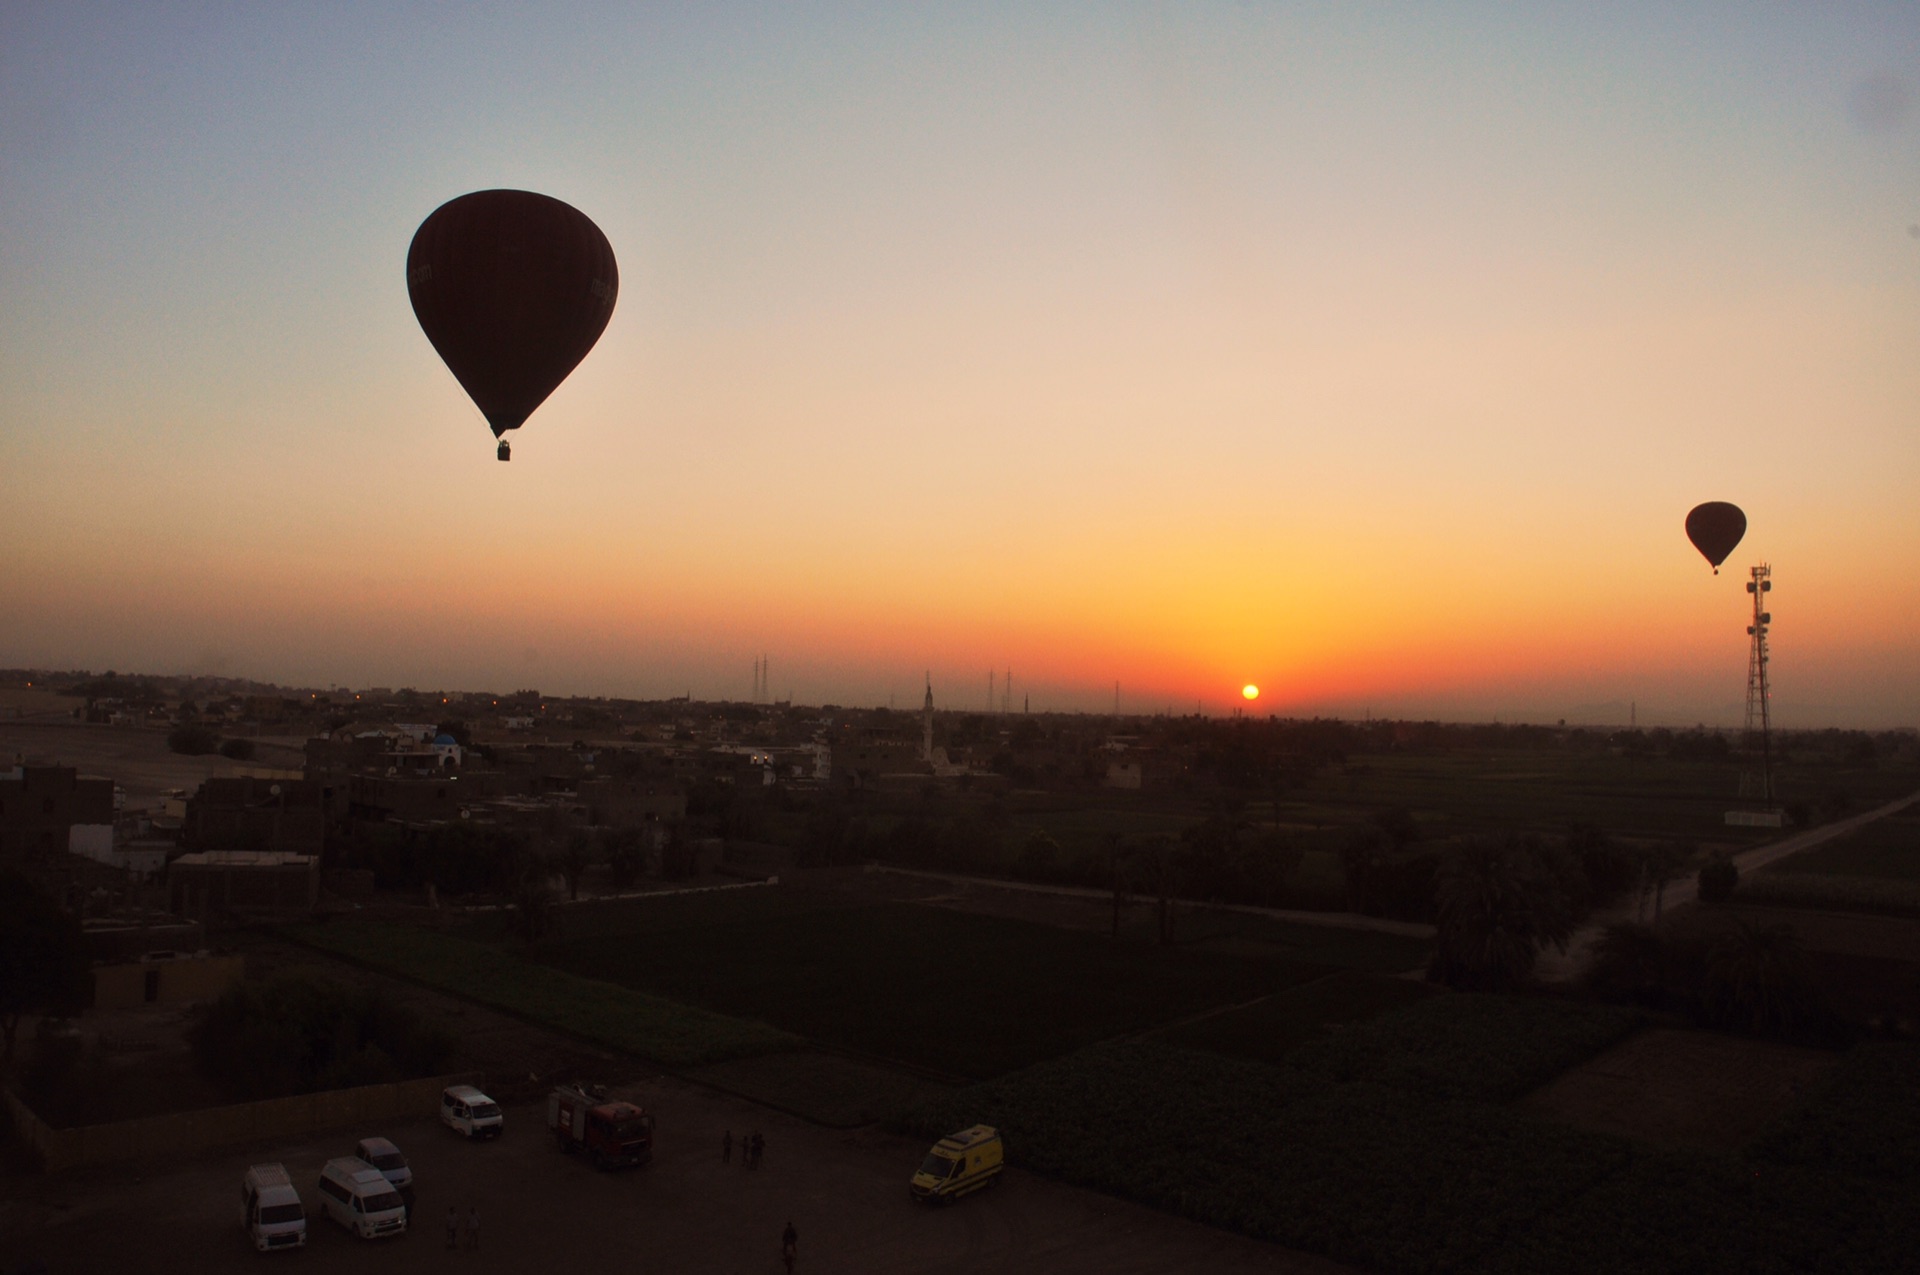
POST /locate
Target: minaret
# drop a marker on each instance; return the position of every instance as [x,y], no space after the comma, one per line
[926,723]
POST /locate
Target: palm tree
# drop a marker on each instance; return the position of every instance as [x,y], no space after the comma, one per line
[1497,905]
[1753,977]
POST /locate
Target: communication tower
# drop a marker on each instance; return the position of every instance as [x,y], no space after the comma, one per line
[1758,783]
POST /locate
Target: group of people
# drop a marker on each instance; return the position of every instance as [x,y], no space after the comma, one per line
[473,1226]
[752,1146]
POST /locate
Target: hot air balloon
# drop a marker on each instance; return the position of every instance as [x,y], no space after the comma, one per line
[1715,528]
[513,289]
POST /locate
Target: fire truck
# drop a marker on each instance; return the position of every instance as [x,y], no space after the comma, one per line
[613,1134]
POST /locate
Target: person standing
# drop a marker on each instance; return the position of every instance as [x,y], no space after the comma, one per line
[473,1226]
[759,1147]
[453,1227]
[726,1147]
[789,1246]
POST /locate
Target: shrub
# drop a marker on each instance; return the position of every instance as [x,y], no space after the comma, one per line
[238,749]
[1635,963]
[295,1034]
[193,739]
[1718,878]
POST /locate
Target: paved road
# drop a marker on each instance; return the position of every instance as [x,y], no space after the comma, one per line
[1561,967]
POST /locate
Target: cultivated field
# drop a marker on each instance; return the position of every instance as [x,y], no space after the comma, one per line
[1885,850]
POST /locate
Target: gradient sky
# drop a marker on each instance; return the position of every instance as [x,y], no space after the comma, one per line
[1373,354]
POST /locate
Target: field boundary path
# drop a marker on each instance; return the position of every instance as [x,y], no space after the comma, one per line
[1332,920]
[1562,967]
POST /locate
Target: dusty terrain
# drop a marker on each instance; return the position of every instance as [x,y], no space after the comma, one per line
[134,757]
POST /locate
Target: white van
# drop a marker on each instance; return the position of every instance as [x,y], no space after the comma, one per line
[271,1209]
[466,1109]
[384,1156]
[359,1197]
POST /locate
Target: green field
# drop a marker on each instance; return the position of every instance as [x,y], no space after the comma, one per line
[1544,790]
[671,1034]
[1406,1180]
[1885,850]
[1270,1029]
[1469,1045]
[954,992]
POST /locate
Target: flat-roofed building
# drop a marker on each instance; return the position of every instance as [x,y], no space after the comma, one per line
[39,805]
[216,885]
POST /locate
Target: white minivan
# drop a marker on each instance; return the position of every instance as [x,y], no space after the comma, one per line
[471,1112]
[271,1209]
[384,1156]
[359,1197]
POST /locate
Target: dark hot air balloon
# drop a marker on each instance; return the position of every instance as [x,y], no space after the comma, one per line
[1715,528]
[513,289]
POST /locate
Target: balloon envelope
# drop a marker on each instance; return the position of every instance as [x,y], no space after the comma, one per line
[513,289]
[1715,528]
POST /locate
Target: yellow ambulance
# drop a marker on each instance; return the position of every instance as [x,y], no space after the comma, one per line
[964,1162]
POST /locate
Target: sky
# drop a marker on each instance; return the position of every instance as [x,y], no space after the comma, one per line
[1372,354]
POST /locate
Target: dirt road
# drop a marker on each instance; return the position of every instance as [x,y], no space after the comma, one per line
[540,1210]
[1561,967]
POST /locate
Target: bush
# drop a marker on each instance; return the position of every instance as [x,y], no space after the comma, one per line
[193,739]
[1717,879]
[1733,976]
[238,749]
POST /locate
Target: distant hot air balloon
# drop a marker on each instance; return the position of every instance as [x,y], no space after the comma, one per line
[513,289]
[1715,528]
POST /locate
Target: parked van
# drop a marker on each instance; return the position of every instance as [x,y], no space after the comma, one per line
[465,1108]
[271,1209]
[359,1197]
[964,1162]
[384,1156]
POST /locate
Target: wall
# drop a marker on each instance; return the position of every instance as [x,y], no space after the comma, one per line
[191,978]
[190,1132]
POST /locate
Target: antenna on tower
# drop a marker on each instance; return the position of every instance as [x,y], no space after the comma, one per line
[989,692]
[1759,728]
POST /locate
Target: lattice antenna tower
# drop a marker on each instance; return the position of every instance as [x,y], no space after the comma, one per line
[1759,732]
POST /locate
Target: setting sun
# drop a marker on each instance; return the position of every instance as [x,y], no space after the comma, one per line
[1250,691]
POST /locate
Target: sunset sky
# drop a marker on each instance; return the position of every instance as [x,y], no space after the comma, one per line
[1371,354]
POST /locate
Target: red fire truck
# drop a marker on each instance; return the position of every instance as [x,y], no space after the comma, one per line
[614,1134]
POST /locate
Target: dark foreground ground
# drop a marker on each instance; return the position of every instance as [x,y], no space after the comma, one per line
[542,1211]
